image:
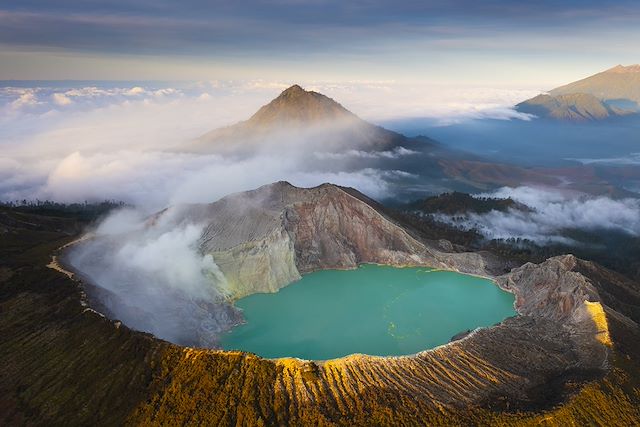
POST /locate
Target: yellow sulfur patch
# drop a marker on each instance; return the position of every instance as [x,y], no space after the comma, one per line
[600,319]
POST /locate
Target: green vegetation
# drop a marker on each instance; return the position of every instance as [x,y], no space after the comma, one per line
[86,211]
[458,203]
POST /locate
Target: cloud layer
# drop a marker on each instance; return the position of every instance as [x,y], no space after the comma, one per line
[459,40]
[76,142]
[553,212]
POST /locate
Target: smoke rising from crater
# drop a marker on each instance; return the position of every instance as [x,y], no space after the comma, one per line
[149,273]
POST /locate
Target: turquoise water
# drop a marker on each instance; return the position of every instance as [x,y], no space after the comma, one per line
[376,310]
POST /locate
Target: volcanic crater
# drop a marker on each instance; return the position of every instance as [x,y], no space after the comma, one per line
[264,239]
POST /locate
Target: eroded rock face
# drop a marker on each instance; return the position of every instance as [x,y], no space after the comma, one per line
[264,239]
[335,230]
[263,265]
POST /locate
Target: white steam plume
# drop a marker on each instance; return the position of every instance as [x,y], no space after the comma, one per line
[149,274]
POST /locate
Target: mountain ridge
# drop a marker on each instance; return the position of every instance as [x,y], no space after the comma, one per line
[611,93]
[633,68]
[560,332]
[325,136]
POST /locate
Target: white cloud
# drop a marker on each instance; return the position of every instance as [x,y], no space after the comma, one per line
[25,98]
[388,154]
[137,90]
[119,142]
[632,159]
[553,211]
[61,99]
[444,104]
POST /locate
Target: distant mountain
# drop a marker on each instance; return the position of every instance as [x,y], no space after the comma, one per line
[614,92]
[296,106]
[617,83]
[572,106]
[299,116]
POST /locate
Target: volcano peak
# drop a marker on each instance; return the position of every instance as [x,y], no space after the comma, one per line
[298,106]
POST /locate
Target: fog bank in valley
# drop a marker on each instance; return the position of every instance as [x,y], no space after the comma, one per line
[112,140]
[552,212]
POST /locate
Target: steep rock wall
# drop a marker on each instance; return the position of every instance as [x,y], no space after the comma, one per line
[339,231]
[263,265]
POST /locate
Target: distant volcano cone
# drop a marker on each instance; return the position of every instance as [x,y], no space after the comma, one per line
[298,106]
[298,116]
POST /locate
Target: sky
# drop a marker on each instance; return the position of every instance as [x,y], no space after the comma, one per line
[463,42]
